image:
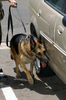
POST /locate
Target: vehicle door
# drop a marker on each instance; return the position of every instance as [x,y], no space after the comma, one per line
[46,19]
[60,43]
[54,32]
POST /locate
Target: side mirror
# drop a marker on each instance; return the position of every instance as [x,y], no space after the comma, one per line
[64,20]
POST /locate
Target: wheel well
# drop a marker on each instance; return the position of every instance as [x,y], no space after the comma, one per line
[33,30]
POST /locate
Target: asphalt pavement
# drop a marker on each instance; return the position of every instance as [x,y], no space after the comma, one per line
[49,88]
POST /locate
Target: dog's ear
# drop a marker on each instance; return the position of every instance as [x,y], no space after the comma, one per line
[32,43]
[39,39]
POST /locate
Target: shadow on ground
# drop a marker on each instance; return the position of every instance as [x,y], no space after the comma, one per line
[46,86]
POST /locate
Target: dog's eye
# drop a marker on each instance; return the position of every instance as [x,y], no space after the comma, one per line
[44,52]
[39,46]
[39,54]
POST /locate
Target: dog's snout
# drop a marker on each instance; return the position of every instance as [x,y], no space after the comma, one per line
[45,59]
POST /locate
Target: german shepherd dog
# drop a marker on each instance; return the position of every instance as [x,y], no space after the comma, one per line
[25,50]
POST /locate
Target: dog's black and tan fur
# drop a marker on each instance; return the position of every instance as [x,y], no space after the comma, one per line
[25,50]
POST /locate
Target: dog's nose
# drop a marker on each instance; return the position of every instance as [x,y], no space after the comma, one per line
[44,52]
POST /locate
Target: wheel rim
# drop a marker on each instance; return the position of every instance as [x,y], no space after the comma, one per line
[37,66]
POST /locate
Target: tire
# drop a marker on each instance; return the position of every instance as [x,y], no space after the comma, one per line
[43,72]
[33,30]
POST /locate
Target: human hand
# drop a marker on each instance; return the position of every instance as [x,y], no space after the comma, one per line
[13,3]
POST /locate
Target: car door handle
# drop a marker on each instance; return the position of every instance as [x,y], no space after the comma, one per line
[39,12]
[60,30]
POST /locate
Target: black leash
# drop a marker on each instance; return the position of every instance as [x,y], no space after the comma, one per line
[21,21]
[10,22]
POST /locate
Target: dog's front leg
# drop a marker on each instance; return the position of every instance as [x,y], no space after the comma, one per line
[31,67]
[29,77]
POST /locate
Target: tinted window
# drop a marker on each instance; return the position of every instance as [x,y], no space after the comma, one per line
[64,6]
[57,3]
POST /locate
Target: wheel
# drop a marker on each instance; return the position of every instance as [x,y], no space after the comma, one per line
[44,71]
[37,66]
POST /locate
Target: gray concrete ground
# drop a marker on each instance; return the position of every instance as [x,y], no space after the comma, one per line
[51,88]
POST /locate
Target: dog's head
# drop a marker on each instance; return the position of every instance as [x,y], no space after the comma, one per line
[38,49]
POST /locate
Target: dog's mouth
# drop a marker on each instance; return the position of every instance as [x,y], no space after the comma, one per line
[43,59]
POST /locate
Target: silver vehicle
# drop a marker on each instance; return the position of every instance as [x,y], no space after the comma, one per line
[48,19]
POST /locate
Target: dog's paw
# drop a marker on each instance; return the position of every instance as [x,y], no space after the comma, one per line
[30,80]
[18,76]
[33,78]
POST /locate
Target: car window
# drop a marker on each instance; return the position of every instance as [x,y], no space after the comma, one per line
[64,7]
[58,4]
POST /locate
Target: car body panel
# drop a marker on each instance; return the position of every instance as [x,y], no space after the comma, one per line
[48,23]
[33,6]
